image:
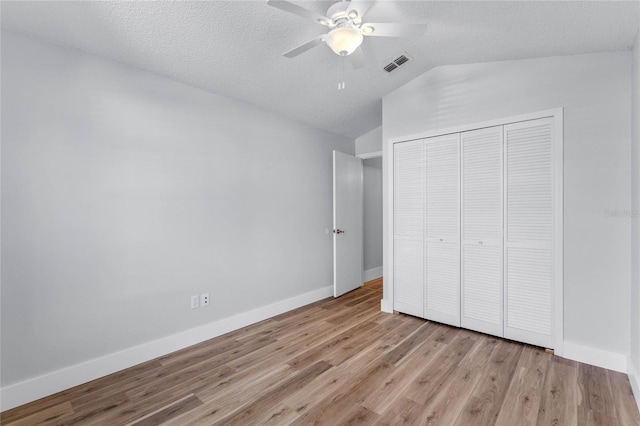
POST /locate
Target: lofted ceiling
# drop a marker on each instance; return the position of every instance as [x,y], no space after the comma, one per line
[234,48]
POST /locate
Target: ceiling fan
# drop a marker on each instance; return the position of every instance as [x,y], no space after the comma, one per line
[347,29]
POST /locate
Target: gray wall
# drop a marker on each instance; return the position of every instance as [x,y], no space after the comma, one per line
[369,142]
[635,218]
[372,172]
[123,193]
[594,91]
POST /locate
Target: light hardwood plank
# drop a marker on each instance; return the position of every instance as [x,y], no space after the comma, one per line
[281,414]
[623,398]
[429,381]
[522,401]
[375,284]
[596,405]
[404,412]
[559,399]
[48,415]
[249,413]
[445,407]
[341,361]
[385,395]
[483,406]
[163,414]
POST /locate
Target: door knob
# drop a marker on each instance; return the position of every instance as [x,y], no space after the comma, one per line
[338,231]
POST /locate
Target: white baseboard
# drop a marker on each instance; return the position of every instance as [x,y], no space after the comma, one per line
[386,306]
[594,356]
[372,274]
[633,380]
[56,381]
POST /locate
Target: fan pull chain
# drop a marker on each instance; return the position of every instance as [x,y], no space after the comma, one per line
[342,84]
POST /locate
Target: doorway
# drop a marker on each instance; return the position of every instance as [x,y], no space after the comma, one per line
[372,220]
[357,222]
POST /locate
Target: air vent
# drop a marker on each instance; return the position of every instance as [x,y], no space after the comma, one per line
[400,60]
[390,67]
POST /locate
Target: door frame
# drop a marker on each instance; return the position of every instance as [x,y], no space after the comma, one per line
[367,156]
[557,114]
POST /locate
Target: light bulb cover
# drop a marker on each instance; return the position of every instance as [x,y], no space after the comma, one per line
[344,40]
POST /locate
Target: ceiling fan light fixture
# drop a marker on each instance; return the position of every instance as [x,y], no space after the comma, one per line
[344,40]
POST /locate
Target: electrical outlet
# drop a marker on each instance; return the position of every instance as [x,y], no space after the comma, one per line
[195,302]
[204,299]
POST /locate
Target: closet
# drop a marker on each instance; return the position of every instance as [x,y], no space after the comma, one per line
[476,239]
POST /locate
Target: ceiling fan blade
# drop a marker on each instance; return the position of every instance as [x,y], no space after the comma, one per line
[394,30]
[304,47]
[358,58]
[300,11]
[359,6]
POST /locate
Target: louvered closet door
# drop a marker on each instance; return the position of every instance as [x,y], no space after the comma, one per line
[482,229]
[408,227]
[529,213]
[442,221]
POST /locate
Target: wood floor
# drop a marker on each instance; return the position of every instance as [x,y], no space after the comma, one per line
[342,361]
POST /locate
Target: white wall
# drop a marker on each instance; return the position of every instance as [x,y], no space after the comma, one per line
[372,217]
[594,92]
[635,221]
[124,193]
[370,142]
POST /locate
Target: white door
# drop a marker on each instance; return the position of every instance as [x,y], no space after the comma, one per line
[482,280]
[347,223]
[442,229]
[408,227]
[529,213]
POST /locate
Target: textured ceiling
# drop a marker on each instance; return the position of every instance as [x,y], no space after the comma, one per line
[234,47]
